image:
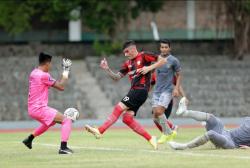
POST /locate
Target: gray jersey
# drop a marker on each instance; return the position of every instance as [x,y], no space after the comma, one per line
[165,75]
[241,135]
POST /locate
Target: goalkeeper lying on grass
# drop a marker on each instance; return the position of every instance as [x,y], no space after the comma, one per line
[221,138]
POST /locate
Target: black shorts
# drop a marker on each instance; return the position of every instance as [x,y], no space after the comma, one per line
[135,98]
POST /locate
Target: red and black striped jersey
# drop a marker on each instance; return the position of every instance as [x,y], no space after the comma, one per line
[130,67]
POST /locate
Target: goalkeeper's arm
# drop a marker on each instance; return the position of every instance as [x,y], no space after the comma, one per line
[59,85]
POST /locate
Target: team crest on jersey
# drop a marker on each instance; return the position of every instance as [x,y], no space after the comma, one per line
[138,62]
[168,66]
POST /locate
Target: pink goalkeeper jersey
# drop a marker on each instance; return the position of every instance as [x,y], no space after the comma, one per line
[39,84]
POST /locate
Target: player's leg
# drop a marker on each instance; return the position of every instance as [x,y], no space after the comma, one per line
[198,141]
[160,118]
[167,113]
[129,120]
[38,131]
[46,120]
[112,118]
[197,115]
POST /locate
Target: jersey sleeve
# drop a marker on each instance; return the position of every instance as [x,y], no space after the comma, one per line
[150,57]
[48,80]
[177,65]
[124,69]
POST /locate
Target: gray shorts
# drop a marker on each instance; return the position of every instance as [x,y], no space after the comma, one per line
[161,99]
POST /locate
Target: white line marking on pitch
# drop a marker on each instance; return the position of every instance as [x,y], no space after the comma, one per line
[184,153]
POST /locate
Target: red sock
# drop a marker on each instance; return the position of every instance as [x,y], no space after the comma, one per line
[117,111]
[158,126]
[170,124]
[129,120]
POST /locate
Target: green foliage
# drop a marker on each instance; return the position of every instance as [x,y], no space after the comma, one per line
[101,16]
[107,48]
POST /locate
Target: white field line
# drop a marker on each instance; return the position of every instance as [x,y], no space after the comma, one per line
[183,153]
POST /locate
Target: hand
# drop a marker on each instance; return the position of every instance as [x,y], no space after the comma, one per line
[244,147]
[104,64]
[144,70]
[176,92]
[66,67]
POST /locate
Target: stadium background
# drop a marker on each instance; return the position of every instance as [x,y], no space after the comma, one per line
[203,34]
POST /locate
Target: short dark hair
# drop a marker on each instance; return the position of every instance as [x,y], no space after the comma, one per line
[127,44]
[44,58]
[165,41]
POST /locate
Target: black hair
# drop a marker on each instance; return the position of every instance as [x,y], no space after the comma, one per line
[44,58]
[127,44]
[165,41]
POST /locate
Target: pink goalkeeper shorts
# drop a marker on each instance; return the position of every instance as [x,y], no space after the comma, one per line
[44,115]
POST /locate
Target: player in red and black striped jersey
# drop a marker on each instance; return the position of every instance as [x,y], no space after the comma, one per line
[138,93]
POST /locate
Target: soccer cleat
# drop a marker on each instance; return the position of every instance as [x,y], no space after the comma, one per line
[153,142]
[182,108]
[177,146]
[65,151]
[93,131]
[27,143]
[166,138]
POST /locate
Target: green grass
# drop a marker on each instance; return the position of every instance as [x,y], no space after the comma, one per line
[118,148]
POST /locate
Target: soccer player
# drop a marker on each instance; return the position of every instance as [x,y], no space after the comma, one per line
[164,89]
[39,83]
[137,94]
[221,138]
[168,111]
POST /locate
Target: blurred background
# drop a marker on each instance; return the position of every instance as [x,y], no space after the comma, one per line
[210,37]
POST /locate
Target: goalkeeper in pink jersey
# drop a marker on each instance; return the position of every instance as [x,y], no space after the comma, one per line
[39,83]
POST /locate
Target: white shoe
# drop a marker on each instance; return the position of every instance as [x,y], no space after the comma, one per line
[182,108]
[177,146]
[93,131]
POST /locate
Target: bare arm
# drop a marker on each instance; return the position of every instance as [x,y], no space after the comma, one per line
[161,61]
[59,85]
[177,86]
[112,75]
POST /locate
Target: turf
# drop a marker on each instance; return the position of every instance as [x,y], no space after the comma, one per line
[118,148]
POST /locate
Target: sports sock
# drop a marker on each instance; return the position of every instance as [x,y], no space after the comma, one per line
[112,118]
[31,137]
[165,128]
[198,141]
[66,129]
[157,124]
[40,130]
[170,124]
[197,115]
[129,120]
[63,145]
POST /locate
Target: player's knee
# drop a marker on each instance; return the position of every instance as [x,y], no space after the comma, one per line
[127,118]
[211,134]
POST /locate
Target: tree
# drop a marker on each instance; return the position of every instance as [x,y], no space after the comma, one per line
[101,16]
[239,10]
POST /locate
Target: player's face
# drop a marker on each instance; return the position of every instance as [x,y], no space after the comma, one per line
[165,49]
[130,52]
[48,65]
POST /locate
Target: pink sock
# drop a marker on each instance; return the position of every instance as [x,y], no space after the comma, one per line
[66,129]
[40,130]
[113,117]
[129,120]
[170,124]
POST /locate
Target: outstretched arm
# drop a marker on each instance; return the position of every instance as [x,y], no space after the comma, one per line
[59,85]
[144,70]
[104,65]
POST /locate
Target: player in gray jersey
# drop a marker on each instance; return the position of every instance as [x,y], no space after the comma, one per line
[164,89]
[221,138]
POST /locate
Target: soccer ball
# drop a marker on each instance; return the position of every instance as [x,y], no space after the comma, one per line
[71,113]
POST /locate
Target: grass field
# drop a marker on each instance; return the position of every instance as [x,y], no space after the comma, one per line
[118,148]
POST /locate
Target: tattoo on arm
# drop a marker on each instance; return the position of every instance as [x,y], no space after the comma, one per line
[112,75]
